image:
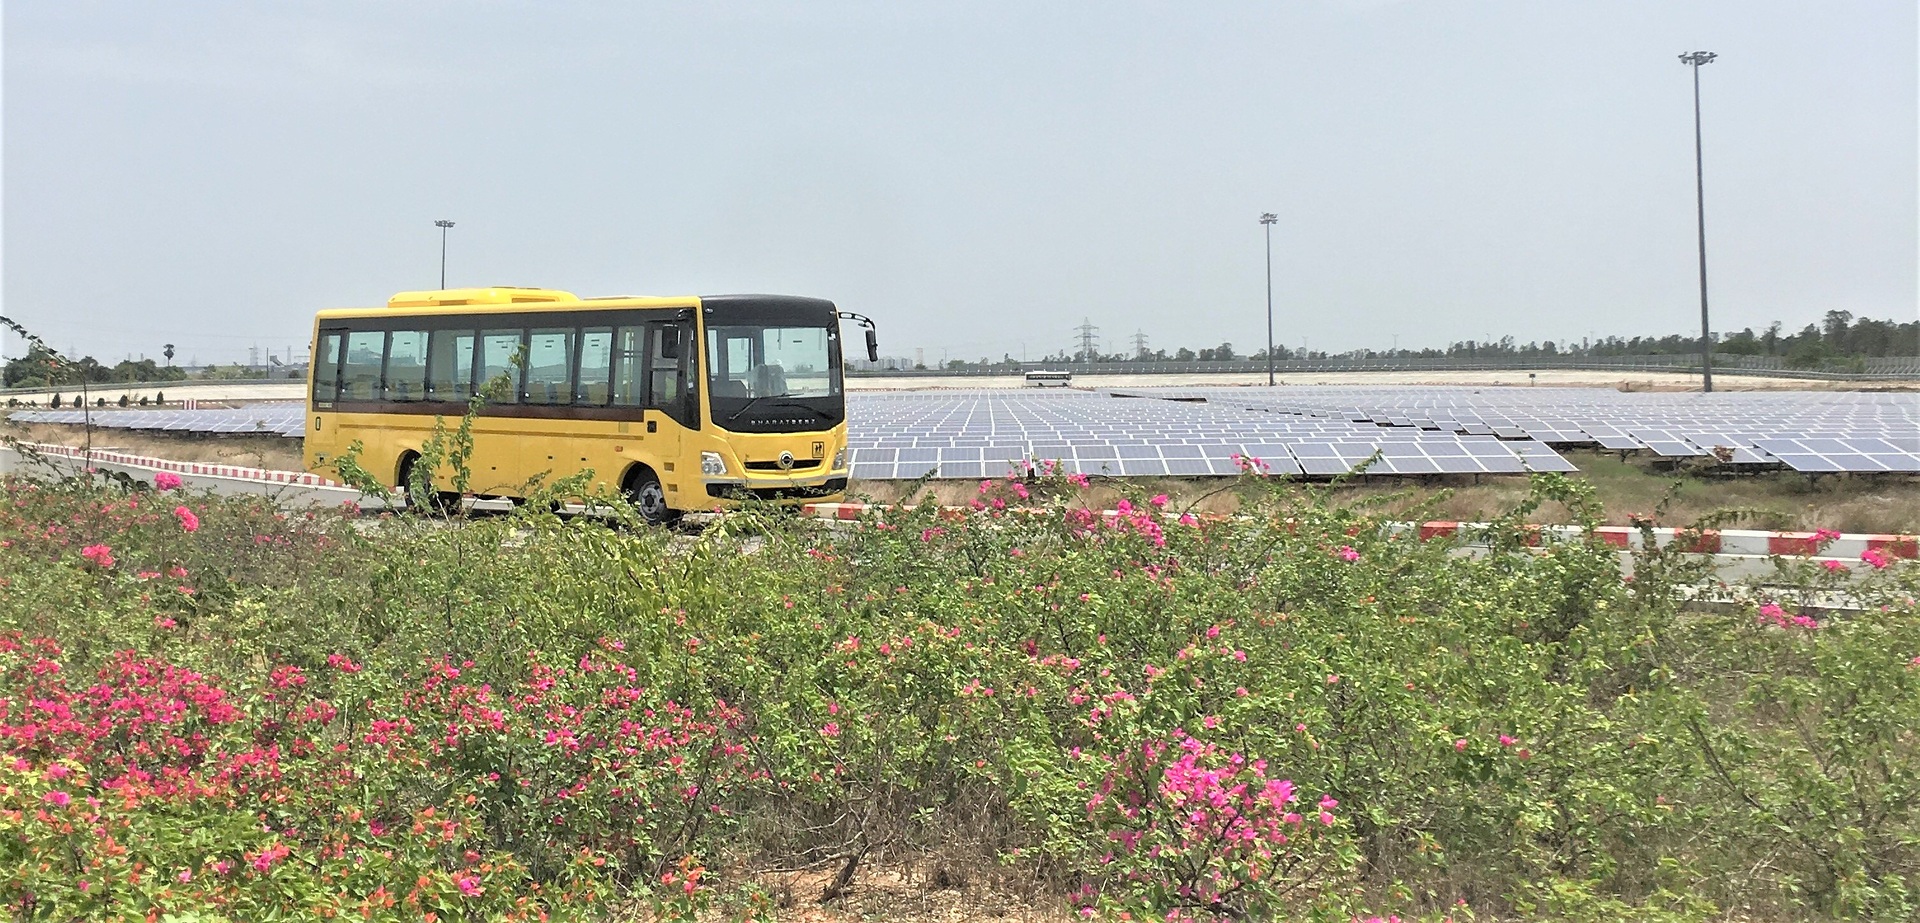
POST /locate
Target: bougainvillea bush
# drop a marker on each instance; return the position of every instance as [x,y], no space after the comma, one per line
[213,708]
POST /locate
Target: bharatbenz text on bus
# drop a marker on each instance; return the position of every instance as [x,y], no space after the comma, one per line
[685,403]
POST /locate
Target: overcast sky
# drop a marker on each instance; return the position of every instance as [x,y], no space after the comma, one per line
[976,176]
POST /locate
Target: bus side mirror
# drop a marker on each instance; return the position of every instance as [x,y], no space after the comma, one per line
[873,346]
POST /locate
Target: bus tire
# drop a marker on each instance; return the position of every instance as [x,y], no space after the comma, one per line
[440,501]
[649,497]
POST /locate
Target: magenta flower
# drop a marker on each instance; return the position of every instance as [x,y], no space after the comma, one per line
[58,799]
[469,885]
[1460,745]
[165,480]
[1876,558]
[1506,741]
[830,729]
[1347,553]
[188,521]
[98,554]
[1832,565]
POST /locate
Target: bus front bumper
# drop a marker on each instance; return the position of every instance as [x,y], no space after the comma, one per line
[793,490]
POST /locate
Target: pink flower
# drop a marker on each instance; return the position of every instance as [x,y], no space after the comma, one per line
[1832,565]
[1875,557]
[98,554]
[57,771]
[830,729]
[265,859]
[58,799]
[1326,819]
[1347,553]
[188,521]
[1460,745]
[1506,741]
[1158,500]
[1328,803]
[469,885]
[1187,519]
[185,875]
[1824,536]
[165,480]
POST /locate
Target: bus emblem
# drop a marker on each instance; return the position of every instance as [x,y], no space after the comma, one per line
[786,461]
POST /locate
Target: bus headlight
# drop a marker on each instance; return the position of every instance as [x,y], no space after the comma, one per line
[712,465]
[839,460]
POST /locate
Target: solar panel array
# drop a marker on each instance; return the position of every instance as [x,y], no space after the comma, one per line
[284,419]
[1812,431]
[1317,431]
[970,434]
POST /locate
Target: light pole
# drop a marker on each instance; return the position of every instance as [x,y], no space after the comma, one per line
[443,224]
[1695,59]
[1266,221]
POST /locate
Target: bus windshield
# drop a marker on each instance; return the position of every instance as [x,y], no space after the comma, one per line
[773,370]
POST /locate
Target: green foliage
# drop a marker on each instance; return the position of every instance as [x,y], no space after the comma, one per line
[1147,713]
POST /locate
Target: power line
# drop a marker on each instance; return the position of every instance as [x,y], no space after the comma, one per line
[1140,343]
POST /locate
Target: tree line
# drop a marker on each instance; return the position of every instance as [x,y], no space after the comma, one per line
[1839,336]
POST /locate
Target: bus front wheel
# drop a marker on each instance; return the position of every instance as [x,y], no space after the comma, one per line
[649,497]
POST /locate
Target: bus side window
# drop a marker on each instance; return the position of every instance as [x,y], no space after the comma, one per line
[406,376]
[549,366]
[596,367]
[450,365]
[326,369]
[360,374]
[669,351]
[629,383]
[498,350]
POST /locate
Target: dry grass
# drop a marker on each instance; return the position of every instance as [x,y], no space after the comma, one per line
[1768,500]
[274,452]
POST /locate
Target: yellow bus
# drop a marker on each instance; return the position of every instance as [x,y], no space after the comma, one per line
[683,404]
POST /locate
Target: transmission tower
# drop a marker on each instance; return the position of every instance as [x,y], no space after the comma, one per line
[1089,338]
[1140,343]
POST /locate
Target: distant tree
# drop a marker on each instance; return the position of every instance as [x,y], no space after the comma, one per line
[1183,355]
[55,403]
[123,400]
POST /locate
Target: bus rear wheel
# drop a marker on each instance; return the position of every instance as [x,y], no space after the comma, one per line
[444,502]
[649,497]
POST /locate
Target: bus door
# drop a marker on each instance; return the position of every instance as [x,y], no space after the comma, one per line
[654,372]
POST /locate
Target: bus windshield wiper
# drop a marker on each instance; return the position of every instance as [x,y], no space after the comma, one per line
[752,401]
[808,407]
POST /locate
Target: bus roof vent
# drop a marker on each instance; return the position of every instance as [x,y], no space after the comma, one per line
[499,294]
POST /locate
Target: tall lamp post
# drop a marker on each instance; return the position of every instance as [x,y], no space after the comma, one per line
[443,224]
[1266,221]
[1695,60]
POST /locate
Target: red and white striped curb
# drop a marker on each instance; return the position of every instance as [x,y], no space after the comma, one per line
[1711,541]
[267,475]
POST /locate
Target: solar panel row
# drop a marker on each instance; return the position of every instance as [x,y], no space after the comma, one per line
[1310,430]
